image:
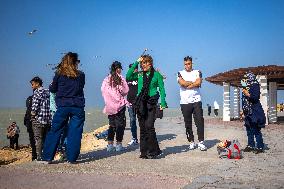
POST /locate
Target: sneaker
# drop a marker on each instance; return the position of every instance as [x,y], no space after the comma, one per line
[258,150]
[119,147]
[133,142]
[191,146]
[110,148]
[43,162]
[248,149]
[201,146]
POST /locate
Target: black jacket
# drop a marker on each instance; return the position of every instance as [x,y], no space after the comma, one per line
[27,118]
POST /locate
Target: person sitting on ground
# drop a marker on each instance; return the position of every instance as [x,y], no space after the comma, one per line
[13,134]
[253,112]
[114,88]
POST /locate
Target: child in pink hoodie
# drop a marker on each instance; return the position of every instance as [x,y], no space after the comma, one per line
[114,89]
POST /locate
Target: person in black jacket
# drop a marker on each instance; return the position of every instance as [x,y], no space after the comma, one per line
[68,84]
[253,112]
[132,93]
[28,124]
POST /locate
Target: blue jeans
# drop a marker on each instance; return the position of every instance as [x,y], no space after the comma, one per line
[133,126]
[254,131]
[76,117]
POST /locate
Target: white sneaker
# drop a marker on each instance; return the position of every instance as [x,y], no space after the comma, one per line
[43,162]
[133,142]
[191,146]
[110,148]
[119,147]
[201,146]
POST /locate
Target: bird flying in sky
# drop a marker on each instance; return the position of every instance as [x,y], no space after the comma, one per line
[32,32]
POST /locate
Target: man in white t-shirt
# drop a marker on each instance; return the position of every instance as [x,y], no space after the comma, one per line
[190,102]
[216,108]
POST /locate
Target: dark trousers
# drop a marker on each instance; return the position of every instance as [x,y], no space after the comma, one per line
[76,117]
[148,140]
[133,126]
[254,131]
[39,131]
[63,138]
[196,110]
[14,141]
[216,112]
[117,123]
[32,140]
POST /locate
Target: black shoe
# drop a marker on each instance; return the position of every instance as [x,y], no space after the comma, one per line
[249,149]
[156,156]
[152,157]
[143,157]
[258,150]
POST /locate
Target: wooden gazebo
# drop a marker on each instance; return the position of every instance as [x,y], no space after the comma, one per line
[274,73]
[271,79]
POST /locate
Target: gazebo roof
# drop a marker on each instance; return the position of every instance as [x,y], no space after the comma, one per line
[274,73]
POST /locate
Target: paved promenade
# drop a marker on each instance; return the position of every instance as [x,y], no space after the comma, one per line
[177,168]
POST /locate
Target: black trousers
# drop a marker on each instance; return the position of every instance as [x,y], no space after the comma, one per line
[117,123]
[197,111]
[32,140]
[216,112]
[14,141]
[148,141]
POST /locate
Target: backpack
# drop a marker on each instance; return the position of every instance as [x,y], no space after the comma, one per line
[229,149]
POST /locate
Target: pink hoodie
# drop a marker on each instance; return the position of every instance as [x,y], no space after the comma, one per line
[114,96]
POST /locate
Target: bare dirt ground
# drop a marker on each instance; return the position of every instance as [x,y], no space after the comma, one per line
[177,167]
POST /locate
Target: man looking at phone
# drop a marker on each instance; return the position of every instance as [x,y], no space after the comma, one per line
[190,81]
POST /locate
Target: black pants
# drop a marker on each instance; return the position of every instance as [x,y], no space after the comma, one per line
[148,141]
[32,140]
[117,123]
[14,141]
[196,109]
[216,112]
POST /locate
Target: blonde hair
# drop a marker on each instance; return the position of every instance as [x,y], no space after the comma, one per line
[69,65]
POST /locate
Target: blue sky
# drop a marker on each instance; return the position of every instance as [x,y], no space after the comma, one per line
[219,34]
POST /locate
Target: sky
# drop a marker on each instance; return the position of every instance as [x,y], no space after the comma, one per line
[220,35]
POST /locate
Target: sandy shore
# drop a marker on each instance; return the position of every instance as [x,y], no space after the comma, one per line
[177,168]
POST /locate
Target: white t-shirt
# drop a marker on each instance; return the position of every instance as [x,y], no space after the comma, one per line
[216,105]
[189,95]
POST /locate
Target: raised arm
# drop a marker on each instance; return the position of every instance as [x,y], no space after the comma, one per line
[131,75]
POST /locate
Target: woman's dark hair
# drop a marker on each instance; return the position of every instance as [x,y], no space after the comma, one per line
[69,65]
[36,79]
[115,79]
[188,58]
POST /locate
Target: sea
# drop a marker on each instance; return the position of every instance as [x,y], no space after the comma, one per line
[95,118]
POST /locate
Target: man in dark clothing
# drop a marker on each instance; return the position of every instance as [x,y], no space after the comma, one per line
[28,124]
[133,88]
[208,109]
